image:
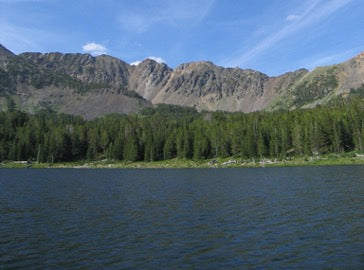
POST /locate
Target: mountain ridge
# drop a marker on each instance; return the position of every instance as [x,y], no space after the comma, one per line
[93,86]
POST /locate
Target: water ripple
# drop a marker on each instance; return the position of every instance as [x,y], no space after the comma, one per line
[182,219]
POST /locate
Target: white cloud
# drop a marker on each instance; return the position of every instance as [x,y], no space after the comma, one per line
[157,59]
[292,17]
[94,48]
[314,12]
[154,58]
[135,63]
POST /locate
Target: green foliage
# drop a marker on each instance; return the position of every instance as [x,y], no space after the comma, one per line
[47,78]
[317,88]
[129,93]
[168,132]
[169,111]
[358,92]
[10,104]
[5,82]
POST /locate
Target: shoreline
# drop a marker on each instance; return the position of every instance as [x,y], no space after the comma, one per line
[328,160]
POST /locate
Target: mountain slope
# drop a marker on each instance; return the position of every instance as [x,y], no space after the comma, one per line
[93,86]
[323,84]
[70,83]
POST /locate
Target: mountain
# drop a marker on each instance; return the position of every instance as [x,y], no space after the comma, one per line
[324,84]
[93,86]
[71,83]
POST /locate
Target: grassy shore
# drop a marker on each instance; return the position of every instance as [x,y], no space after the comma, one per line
[325,160]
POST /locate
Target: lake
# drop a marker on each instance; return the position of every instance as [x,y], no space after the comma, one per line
[259,218]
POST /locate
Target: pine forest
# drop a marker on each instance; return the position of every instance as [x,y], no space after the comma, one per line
[168,132]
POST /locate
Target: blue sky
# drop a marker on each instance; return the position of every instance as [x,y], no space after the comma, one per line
[272,36]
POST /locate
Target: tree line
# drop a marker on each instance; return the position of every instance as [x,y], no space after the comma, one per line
[168,132]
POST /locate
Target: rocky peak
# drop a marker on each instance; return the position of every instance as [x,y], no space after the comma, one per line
[151,66]
[149,77]
[195,65]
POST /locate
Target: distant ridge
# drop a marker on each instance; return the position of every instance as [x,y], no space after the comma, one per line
[93,86]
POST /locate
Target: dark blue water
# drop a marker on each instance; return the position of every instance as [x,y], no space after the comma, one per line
[291,218]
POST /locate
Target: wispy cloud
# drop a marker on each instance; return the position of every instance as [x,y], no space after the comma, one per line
[26,25]
[314,11]
[332,58]
[20,39]
[292,17]
[154,58]
[94,48]
[174,13]
[22,1]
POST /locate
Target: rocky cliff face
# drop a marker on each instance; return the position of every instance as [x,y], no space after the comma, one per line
[103,69]
[93,86]
[209,87]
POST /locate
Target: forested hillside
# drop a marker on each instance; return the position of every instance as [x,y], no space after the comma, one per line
[168,132]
